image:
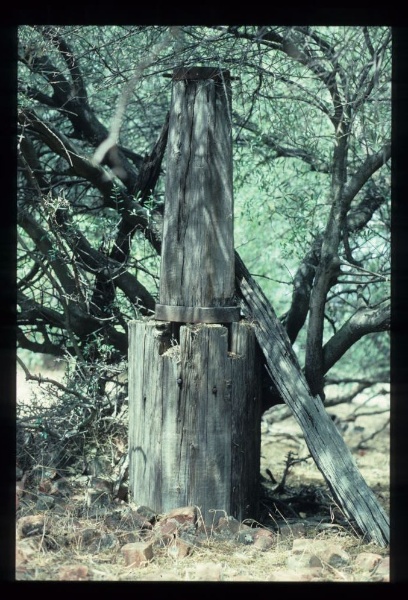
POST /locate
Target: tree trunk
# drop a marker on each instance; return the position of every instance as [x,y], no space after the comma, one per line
[194,422]
[324,441]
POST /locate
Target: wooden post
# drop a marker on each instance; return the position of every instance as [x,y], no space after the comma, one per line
[197,264]
[195,418]
[194,379]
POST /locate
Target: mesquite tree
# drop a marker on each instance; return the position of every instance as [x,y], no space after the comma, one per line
[311,143]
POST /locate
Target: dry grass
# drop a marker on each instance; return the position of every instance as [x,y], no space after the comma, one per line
[63,542]
[231,560]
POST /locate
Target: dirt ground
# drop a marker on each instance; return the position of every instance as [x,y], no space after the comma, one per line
[60,550]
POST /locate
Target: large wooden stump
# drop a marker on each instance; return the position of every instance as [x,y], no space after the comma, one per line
[194,436]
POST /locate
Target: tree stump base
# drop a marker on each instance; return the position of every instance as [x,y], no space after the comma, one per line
[194,417]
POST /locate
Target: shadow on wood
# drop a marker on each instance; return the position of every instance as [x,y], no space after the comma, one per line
[195,411]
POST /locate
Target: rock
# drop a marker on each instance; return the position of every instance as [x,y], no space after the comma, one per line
[264,533]
[184,515]
[148,513]
[73,573]
[302,574]
[44,502]
[382,571]
[263,539]
[97,511]
[128,538]
[127,519]
[107,541]
[89,536]
[29,526]
[165,531]
[137,554]
[61,487]
[367,561]
[189,538]
[245,537]
[99,465]
[99,492]
[228,524]
[304,560]
[300,545]
[179,548]
[208,572]
[45,486]
[42,475]
[175,523]
[327,552]
[336,557]
[25,550]
[296,530]
[263,543]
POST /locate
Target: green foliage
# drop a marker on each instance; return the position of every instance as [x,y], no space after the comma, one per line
[285,138]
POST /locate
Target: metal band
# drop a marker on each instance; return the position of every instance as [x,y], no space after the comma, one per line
[197,314]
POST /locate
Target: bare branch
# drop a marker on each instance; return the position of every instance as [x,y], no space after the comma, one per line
[113,138]
[78,87]
[363,322]
[370,166]
[46,246]
[270,142]
[95,262]
[362,442]
[361,214]
[114,196]
[54,382]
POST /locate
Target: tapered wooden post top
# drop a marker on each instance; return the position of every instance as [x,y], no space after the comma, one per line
[197,263]
[196,73]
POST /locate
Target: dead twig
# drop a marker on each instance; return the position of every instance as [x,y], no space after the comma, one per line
[362,442]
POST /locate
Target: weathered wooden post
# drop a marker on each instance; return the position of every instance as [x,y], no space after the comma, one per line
[194,381]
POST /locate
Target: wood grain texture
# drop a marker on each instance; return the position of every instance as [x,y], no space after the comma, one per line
[329,451]
[194,428]
[197,266]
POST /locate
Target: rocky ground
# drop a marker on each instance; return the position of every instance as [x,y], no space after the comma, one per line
[78,527]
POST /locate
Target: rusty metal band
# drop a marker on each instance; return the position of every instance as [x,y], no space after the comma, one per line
[197,314]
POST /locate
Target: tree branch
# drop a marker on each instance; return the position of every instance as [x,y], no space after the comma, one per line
[361,214]
[32,311]
[370,166]
[45,347]
[302,287]
[104,291]
[273,144]
[113,195]
[35,94]
[78,87]
[46,247]
[95,262]
[285,44]
[295,318]
[363,322]
[75,107]
[54,382]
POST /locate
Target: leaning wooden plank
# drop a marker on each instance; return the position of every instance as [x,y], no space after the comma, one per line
[324,441]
